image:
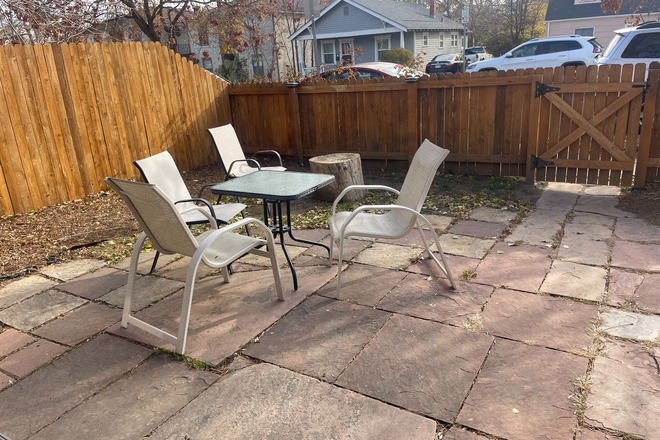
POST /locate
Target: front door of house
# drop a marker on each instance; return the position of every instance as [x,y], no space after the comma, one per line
[346,51]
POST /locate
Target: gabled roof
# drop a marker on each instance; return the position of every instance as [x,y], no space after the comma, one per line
[567,9]
[401,15]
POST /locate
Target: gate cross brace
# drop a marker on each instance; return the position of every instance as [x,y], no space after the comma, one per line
[588,126]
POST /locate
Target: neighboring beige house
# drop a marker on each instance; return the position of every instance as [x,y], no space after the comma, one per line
[586,18]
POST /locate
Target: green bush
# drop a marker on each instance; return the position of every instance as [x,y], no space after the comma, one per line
[234,71]
[400,55]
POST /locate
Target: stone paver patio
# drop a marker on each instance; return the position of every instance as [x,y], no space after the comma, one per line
[570,297]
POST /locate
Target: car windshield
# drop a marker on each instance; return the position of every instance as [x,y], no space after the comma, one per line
[612,45]
[448,57]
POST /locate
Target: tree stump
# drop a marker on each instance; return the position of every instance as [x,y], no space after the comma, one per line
[347,169]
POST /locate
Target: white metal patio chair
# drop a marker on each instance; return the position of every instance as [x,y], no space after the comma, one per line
[401,217]
[162,223]
[231,154]
[161,170]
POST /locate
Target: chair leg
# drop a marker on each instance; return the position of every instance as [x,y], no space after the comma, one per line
[341,256]
[225,274]
[274,264]
[132,273]
[444,266]
[186,304]
[153,265]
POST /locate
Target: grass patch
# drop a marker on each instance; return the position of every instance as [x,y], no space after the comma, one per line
[474,323]
[194,363]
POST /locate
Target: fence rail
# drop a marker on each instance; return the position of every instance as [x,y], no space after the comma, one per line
[73,114]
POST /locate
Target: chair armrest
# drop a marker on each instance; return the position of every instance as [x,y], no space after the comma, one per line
[241,160]
[271,152]
[210,214]
[353,187]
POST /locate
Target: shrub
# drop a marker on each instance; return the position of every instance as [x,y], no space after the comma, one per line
[234,71]
[400,55]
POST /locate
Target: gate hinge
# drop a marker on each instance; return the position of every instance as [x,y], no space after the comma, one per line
[642,86]
[537,162]
[542,89]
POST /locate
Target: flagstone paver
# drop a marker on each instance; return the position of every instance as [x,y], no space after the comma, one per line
[401,364]
[72,269]
[600,204]
[439,222]
[352,247]
[320,337]
[623,286]
[623,395]
[636,256]
[83,323]
[477,229]
[147,289]
[355,279]
[412,239]
[389,256]
[134,405]
[226,316]
[648,292]
[461,434]
[533,381]
[586,218]
[25,361]
[435,299]
[575,280]
[45,395]
[146,261]
[264,401]
[633,229]
[457,265]
[588,434]
[292,250]
[39,309]
[631,325]
[492,215]
[539,228]
[96,284]
[585,244]
[517,267]
[603,190]
[178,270]
[561,199]
[466,246]
[11,340]
[306,234]
[540,320]
[5,381]
[23,288]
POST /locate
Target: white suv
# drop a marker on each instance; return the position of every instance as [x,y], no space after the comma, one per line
[569,50]
[633,45]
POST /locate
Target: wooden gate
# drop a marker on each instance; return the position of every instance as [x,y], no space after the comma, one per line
[589,124]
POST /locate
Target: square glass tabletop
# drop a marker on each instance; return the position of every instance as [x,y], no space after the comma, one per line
[273,185]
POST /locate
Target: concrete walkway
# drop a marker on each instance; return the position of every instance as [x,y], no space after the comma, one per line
[552,334]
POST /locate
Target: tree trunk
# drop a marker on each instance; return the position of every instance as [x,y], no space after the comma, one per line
[347,169]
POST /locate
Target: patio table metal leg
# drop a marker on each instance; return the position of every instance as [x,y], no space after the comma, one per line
[280,223]
[301,240]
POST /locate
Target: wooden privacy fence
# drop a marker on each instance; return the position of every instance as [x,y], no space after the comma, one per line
[74,114]
[583,124]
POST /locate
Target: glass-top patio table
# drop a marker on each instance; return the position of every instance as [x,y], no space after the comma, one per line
[276,187]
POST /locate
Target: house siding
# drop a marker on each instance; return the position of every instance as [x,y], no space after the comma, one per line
[334,21]
[604,26]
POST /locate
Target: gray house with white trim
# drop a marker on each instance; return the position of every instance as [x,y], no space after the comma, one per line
[375,26]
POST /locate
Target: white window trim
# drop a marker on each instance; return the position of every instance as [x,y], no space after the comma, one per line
[425,35]
[585,27]
[342,41]
[334,51]
[441,40]
[389,44]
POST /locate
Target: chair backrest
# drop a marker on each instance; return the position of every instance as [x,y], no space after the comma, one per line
[420,175]
[157,216]
[227,144]
[161,170]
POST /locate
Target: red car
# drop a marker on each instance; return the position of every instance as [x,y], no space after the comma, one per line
[363,70]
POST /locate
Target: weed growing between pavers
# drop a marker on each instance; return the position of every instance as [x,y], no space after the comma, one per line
[192,362]
[474,323]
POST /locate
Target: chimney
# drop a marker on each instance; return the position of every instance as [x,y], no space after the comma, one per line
[433,11]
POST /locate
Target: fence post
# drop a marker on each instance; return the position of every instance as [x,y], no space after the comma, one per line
[413,119]
[294,105]
[533,134]
[650,106]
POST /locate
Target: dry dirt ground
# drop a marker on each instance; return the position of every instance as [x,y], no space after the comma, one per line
[100,226]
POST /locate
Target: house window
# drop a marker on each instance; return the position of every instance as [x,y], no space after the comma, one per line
[425,39]
[346,47]
[207,63]
[454,39]
[258,65]
[382,44]
[328,52]
[584,31]
[345,10]
[441,40]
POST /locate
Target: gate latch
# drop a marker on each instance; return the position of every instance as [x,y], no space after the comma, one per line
[537,162]
[542,89]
